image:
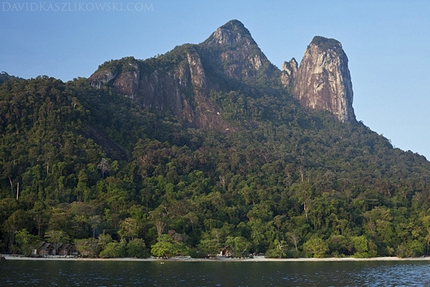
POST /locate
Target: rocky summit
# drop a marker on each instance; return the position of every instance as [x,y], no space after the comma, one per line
[323,81]
[181,81]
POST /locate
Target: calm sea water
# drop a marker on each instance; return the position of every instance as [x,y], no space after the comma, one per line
[115,273]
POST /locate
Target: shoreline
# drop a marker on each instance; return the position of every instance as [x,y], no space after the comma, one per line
[217,259]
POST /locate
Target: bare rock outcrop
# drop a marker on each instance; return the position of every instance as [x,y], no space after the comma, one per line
[100,78]
[181,81]
[289,71]
[235,53]
[323,81]
[178,82]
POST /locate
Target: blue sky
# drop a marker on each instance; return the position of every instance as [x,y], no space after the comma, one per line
[387,43]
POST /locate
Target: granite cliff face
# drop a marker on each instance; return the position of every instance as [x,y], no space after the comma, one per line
[180,82]
[177,82]
[323,81]
[233,52]
[289,71]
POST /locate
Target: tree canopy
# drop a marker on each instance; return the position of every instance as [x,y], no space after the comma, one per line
[91,167]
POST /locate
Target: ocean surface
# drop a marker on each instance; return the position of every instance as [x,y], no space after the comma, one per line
[137,273]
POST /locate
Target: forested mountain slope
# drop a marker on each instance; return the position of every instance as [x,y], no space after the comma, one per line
[232,160]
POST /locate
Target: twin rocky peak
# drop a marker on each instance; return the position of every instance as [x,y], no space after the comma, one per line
[180,81]
[322,81]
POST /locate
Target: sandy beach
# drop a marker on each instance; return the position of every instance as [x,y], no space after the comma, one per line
[216,259]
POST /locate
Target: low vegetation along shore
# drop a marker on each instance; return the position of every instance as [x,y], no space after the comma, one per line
[216,259]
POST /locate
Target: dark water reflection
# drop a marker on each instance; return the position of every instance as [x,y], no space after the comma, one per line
[115,273]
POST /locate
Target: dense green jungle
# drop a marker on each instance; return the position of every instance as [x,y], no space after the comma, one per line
[90,168]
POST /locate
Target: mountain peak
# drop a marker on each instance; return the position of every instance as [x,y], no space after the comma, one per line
[326,43]
[233,32]
[233,52]
[323,81]
[235,25]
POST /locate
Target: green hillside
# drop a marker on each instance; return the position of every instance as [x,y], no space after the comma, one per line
[86,166]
